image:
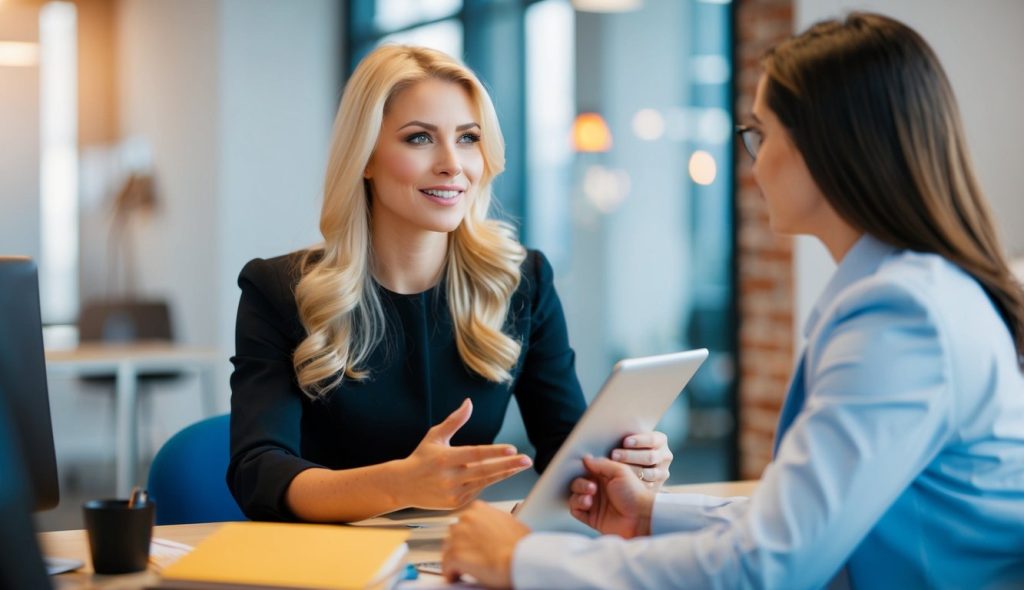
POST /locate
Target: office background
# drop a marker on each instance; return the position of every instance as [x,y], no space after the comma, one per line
[657,242]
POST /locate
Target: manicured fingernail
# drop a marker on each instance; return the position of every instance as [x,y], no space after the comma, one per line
[630,442]
[510,451]
[525,461]
[617,455]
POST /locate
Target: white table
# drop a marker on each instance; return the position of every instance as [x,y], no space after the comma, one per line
[127,362]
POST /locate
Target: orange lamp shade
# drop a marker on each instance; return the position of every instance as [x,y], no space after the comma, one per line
[590,133]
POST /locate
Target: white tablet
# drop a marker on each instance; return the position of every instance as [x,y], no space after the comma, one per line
[633,399]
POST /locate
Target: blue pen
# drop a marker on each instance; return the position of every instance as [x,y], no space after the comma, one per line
[410,572]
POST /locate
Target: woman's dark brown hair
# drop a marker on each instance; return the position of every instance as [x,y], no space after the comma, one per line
[870,109]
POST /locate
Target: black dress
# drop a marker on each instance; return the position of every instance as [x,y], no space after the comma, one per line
[416,379]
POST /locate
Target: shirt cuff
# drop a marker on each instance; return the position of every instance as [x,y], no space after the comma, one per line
[673,513]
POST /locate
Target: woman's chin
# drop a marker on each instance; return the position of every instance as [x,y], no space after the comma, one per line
[446,225]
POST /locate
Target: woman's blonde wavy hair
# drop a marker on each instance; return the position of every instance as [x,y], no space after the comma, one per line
[337,298]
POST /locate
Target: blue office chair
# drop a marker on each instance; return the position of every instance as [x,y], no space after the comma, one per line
[186,479]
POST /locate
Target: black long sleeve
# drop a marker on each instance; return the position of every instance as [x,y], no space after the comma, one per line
[416,379]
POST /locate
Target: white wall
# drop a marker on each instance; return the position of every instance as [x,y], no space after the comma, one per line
[981,47]
[236,100]
[169,94]
[279,89]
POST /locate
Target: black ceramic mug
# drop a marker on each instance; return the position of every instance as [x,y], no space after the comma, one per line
[119,535]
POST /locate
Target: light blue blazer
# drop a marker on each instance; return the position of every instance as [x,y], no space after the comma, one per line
[899,459]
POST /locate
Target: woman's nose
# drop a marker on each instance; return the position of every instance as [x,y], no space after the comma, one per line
[448,163]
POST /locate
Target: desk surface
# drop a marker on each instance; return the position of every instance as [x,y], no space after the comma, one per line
[424,545]
[143,352]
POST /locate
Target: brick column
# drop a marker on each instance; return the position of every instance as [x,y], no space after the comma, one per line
[766,294]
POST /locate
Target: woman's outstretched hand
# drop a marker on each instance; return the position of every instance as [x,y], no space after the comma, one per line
[442,477]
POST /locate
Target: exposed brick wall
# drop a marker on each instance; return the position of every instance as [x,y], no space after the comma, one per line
[765,260]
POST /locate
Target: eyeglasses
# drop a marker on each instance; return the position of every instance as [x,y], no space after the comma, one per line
[751,138]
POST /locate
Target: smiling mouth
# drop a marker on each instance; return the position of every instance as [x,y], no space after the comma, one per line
[445,195]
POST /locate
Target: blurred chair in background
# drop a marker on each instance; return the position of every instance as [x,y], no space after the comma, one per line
[186,479]
[128,346]
[126,322]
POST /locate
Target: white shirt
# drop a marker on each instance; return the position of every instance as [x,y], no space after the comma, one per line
[899,456]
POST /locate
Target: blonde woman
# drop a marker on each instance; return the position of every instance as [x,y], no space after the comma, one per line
[373,372]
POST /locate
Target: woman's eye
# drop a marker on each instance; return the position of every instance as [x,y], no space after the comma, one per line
[418,139]
[469,138]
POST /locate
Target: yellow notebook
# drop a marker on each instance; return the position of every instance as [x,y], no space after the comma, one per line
[275,555]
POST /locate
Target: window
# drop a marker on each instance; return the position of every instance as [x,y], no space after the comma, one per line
[58,166]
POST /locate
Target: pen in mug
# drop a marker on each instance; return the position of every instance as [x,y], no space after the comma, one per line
[138,497]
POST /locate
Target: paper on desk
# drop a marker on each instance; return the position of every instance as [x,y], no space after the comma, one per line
[164,552]
[421,525]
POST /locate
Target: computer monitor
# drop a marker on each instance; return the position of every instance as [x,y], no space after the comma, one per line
[21,565]
[23,378]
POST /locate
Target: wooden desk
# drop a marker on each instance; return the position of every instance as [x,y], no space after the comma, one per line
[425,544]
[126,362]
